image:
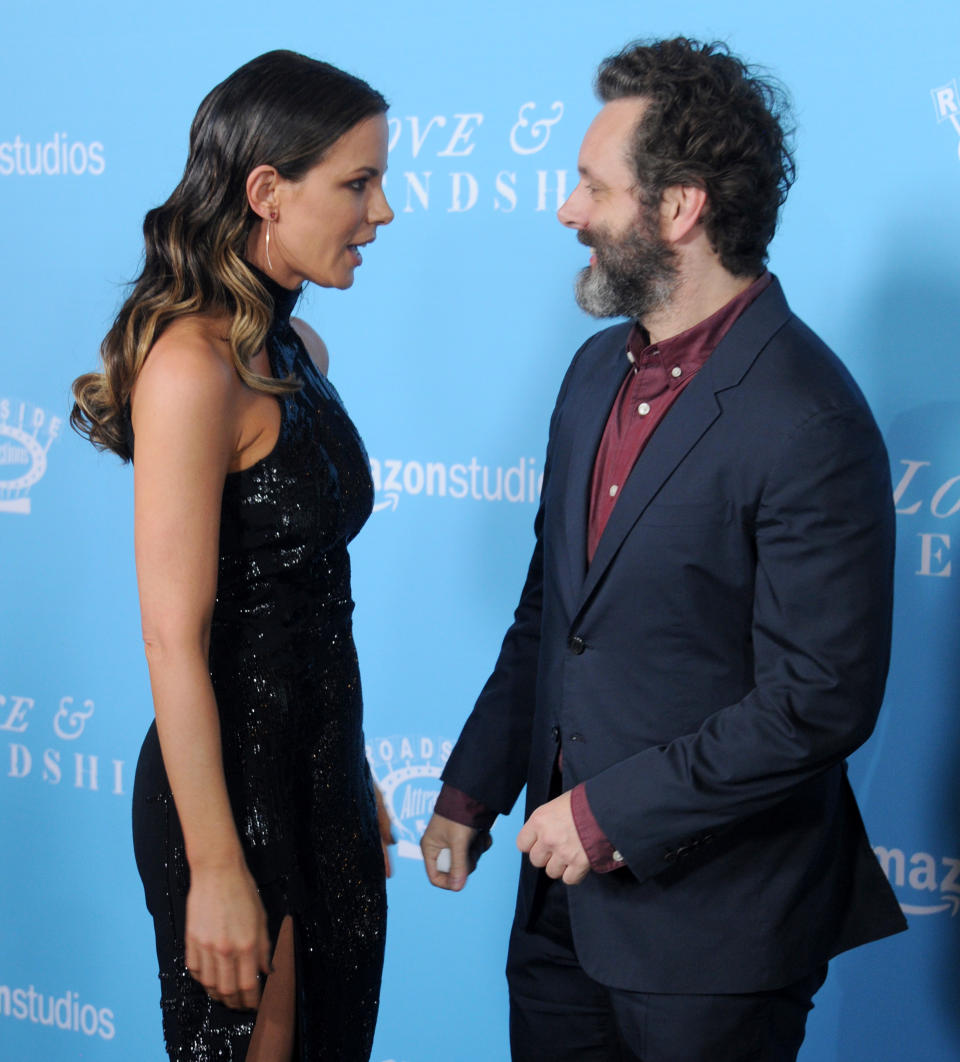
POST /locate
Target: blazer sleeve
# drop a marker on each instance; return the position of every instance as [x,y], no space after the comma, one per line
[824,540]
[489,761]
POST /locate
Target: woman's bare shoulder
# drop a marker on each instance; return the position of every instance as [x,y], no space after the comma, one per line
[190,369]
[316,347]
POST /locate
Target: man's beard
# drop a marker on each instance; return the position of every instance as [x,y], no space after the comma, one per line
[633,276]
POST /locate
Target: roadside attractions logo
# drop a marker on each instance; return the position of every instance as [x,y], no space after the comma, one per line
[519,483]
[68,1011]
[407,770]
[434,164]
[26,434]
[925,492]
[41,747]
[946,106]
[59,156]
[931,885]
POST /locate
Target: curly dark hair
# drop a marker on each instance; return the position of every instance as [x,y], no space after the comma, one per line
[714,123]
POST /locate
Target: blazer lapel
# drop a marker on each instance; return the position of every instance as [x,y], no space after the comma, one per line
[586,411]
[691,415]
[689,418]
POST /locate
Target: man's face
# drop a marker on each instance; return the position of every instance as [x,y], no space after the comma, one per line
[633,270]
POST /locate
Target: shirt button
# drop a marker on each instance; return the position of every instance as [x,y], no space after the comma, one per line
[643,409]
[613,490]
[676,371]
[617,857]
[630,357]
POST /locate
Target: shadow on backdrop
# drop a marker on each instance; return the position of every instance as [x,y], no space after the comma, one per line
[908,777]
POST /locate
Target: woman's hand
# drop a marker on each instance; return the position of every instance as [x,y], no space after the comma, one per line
[386,830]
[227,944]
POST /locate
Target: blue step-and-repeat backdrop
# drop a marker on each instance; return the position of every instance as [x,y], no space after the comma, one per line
[448,352]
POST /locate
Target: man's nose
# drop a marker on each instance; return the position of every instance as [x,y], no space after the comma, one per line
[569,213]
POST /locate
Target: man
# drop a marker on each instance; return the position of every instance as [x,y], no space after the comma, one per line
[704,632]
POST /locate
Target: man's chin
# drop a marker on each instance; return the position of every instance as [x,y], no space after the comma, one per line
[593,295]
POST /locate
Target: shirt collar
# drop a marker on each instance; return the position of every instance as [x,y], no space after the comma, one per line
[684,354]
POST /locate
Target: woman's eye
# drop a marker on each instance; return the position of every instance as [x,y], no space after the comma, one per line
[359,184]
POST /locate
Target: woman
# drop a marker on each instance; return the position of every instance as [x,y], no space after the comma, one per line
[255,824]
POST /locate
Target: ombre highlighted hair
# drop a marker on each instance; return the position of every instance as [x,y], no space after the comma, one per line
[281,109]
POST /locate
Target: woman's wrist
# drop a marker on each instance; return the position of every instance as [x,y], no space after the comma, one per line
[214,859]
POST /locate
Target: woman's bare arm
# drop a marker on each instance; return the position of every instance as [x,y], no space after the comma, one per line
[185,423]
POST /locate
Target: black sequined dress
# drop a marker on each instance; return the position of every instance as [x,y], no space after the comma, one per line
[284,671]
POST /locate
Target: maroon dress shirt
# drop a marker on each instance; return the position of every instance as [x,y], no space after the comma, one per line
[656,373]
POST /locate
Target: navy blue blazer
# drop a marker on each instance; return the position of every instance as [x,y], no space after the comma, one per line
[709,671]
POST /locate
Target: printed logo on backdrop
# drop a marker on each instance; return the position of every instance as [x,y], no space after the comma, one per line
[26,434]
[45,746]
[946,105]
[68,1012]
[925,885]
[519,483]
[58,156]
[439,171]
[930,496]
[407,770]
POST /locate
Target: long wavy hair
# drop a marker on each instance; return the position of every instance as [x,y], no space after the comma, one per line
[281,109]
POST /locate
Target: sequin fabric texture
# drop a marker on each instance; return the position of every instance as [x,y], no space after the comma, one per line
[285,674]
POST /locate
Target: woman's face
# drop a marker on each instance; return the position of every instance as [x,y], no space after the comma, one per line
[329,214]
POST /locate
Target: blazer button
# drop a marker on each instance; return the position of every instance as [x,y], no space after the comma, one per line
[576,644]
[555,733]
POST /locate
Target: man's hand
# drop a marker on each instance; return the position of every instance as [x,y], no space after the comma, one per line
[466,845]
[551,840]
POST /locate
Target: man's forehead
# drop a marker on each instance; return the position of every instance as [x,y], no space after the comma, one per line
[608,137]
[618,118]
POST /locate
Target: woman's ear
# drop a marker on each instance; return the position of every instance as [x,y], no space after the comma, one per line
[262,191]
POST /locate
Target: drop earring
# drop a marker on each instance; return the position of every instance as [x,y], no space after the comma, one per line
[273,217]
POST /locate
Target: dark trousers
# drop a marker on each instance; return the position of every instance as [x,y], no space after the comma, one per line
[559,1014]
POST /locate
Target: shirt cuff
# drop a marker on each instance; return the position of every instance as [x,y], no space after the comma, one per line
[601,853]
[454,804]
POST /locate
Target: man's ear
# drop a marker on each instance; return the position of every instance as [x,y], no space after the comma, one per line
[262,191]
[681,208]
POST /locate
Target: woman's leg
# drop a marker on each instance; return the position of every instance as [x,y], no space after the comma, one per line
[274,1033]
